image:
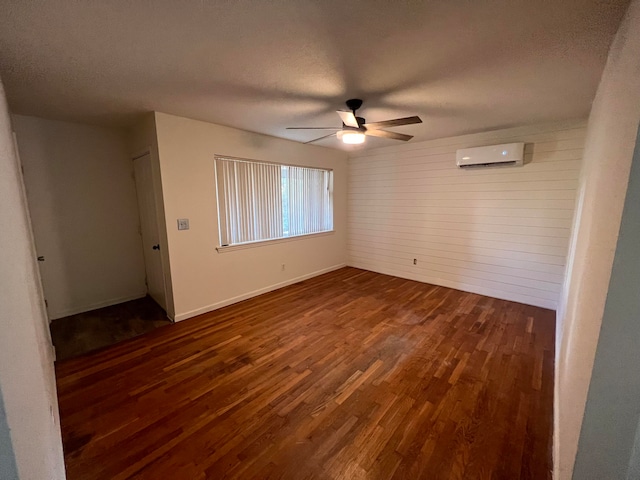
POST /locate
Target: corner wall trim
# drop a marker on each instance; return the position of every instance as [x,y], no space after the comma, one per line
[254,293]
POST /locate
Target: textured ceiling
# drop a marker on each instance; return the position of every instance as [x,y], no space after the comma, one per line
[463,66]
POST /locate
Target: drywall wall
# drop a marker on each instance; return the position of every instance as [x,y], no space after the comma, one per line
[612,412]
[609,146]
[498,231]
[634,463]
[143,139]
[27,379]
[84,212]
[8,469]
[202,278]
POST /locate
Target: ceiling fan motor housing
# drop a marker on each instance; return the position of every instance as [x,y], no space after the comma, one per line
[354,104]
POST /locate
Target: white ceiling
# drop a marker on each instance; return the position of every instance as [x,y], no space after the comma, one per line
[463,66]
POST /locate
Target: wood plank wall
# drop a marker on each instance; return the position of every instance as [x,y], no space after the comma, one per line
[500,231]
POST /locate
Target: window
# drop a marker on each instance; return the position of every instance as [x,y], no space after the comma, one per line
[260,201]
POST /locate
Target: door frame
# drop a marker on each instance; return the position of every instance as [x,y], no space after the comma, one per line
[159,222]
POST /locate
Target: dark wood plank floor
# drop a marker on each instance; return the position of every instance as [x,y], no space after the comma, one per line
[84,332]
[349,375]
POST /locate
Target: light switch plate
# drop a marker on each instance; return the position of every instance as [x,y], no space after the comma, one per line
[183,224]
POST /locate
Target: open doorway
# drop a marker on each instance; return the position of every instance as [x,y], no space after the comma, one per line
[83,202]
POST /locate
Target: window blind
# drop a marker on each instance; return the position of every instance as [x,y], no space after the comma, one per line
[249,201]
[263,201]
[310,203]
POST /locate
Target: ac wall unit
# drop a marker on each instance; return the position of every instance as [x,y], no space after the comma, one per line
[505,154]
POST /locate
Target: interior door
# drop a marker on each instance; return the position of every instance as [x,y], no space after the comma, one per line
[149,229]
[41,268]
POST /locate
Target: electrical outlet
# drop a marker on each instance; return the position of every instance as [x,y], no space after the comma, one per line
[183,224]
[415,261]
[282,267]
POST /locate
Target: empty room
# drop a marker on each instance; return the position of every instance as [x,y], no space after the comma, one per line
[320,240]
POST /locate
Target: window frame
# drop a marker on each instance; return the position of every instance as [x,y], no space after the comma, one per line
[258,243]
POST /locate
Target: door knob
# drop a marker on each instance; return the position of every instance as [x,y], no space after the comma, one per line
[156,247]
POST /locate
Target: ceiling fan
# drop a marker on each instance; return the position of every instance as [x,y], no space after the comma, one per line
[354,128]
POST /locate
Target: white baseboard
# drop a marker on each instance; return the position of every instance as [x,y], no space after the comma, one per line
[94,306]
[254,293]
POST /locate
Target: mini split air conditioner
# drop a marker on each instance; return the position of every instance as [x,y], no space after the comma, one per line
[492,155]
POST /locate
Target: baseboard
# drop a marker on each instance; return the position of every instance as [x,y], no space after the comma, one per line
[254,293]
[94,306]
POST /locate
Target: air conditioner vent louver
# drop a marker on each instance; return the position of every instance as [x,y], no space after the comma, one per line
[476,165]
[492,155]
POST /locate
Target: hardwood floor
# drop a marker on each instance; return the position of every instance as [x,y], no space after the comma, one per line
[349,375]
[84,332]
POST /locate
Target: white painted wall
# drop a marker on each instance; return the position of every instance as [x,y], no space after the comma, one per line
[84,213]
[27,379]
[500,231]
[611,134]
[612,411]
[202,278]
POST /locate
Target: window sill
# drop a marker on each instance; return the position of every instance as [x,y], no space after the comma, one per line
[260,243]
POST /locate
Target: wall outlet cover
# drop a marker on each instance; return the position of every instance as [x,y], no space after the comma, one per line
[183,224]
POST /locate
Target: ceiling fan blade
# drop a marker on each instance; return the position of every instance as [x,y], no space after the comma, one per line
[396,122]
[314,128]
[348,118]
[316,139]
[386,134]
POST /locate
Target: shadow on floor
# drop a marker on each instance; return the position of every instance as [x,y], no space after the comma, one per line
[78,334]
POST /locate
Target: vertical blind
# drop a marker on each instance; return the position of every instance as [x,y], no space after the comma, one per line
[264,201]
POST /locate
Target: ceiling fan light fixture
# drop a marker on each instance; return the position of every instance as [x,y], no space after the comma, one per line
[351,138]
[355,128]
